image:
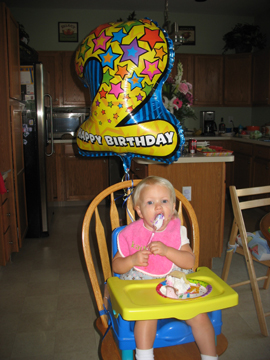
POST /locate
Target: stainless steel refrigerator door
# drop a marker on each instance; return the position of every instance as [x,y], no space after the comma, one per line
[41,135]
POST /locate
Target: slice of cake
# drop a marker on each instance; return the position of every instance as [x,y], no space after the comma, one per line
[176,284]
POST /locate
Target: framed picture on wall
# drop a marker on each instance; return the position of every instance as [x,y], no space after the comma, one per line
[188,34]
[68,32]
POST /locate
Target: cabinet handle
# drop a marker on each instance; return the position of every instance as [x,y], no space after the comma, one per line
[8,214]
[7,230]
[137,169]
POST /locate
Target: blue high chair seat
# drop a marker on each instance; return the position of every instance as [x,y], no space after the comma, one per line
[169,331]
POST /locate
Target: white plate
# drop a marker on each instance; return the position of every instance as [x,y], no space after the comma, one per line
[202,288]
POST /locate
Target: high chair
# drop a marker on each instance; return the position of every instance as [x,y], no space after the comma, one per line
[110,320]
[239,227]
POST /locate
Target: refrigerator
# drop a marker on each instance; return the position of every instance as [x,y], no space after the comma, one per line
[35,117]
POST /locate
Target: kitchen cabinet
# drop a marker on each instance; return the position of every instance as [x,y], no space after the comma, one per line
[11,159]
[261,78]
[226,144]
[52,61]
[8,236]
[243,165]
[261,166]
[18,168]
[74,92]
[187,61]
[208,80]
[66,88]
[237,80]
[207,181]
[72,177]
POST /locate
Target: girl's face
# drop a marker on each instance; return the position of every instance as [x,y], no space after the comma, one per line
[155,200]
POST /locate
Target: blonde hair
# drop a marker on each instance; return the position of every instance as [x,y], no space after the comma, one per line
[152,180]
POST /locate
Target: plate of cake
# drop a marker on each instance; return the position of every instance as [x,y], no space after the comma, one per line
[177,286]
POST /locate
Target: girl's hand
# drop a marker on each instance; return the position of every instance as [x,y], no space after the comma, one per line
[158,248]
[140,258]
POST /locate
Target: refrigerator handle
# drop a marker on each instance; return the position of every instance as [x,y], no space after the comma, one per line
[51,115]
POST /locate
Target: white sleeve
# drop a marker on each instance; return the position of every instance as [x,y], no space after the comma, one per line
[184,238]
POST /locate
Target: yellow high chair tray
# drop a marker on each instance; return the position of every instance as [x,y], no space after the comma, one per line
[140,300]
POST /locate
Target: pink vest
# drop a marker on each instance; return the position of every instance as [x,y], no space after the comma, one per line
[135,237]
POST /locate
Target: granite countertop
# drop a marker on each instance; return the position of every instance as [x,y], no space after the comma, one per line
[265,141]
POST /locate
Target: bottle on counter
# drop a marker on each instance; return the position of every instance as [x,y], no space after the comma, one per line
[222,127]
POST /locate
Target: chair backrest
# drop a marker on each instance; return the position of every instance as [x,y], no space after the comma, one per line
[238,205]
[107,218]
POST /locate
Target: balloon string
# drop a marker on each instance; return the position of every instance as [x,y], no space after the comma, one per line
[125,197]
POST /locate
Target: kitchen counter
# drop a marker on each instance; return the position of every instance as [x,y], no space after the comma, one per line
[192,159]
[265,141]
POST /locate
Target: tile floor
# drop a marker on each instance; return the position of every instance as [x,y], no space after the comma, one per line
[47,309]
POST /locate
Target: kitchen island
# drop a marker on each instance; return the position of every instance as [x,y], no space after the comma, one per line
[205,176]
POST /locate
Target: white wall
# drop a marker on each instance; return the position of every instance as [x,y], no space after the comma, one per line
[42,27]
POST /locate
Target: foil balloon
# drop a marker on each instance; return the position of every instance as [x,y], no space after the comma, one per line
[124,65]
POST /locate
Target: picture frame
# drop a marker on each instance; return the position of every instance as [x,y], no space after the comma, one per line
[188,33]
[68,31]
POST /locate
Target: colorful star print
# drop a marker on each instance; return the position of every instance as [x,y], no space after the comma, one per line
[132,52]
[151,69]
[108,58]
[135,81]
[152,37]
[116,90]
[122,71]
[103,93]
[101,42]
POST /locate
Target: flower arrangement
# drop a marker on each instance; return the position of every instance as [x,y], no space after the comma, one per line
[177,96]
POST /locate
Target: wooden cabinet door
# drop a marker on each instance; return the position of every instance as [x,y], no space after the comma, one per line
[261,78]
[208,80]
[261,172]
[237,79]
[74,92]
[52,62]
[84,177]
[187,61]
[18,168]
[242,171]
[13,57]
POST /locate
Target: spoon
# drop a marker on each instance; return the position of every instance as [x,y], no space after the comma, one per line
[157,224]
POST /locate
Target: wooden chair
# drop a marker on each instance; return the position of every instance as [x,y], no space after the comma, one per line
[108,348]
[239,227]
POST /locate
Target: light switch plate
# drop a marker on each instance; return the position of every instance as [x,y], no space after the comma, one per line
[186,191]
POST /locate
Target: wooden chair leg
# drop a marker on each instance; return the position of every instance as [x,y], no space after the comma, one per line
[255,290]
[267,281]
[230,251]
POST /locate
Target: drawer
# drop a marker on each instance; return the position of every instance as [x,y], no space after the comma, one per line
[262,152]
[243,148]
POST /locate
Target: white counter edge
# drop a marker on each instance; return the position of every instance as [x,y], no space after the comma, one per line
[190,159]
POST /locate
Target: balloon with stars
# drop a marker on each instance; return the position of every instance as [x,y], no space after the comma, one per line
[125,65]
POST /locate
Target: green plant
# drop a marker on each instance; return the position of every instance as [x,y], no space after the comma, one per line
[243,38]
